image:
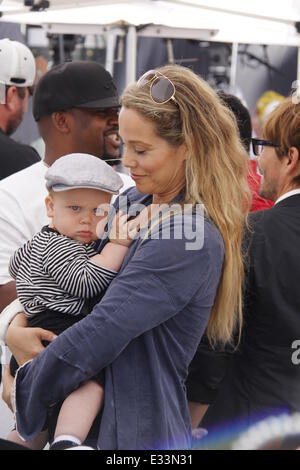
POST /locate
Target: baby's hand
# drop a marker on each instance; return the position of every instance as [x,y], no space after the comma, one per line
[123,232]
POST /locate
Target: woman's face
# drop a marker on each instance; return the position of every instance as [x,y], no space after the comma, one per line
[157,167]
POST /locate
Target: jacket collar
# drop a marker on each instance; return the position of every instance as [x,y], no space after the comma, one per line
[290,200]
[288,194]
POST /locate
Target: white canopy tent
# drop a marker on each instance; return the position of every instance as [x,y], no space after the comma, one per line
[247,21]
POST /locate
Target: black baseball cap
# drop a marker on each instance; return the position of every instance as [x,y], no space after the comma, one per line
[78,84]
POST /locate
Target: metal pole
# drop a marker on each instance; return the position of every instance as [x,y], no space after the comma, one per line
[131,52]
[296,83]
[170,50]
[298,66]
[233,68]
[110,52]
[61,48]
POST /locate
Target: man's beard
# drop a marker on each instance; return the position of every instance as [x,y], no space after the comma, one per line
[267,192]
[14,123]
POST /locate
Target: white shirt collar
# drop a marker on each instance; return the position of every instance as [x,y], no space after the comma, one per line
[288,194]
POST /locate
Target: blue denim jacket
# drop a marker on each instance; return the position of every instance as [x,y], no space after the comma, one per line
[145,332]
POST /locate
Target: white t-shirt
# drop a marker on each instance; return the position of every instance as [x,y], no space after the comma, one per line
[23,211]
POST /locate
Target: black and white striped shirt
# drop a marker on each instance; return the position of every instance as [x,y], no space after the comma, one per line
[55,272]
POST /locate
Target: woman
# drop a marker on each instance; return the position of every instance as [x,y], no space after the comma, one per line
[181,146]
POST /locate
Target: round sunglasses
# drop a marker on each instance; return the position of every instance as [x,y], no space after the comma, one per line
[162,89]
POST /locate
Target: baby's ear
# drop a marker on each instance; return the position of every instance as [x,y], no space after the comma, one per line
[49,206]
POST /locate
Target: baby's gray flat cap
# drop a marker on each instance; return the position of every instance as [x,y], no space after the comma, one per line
[80,170]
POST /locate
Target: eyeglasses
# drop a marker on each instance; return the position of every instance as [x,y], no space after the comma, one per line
[259,144]
[162,89]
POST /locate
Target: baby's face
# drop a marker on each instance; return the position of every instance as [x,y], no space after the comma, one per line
[73,212]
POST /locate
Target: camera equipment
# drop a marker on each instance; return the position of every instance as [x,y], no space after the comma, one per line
[39,6]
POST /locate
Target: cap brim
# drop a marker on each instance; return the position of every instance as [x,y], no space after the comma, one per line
[62,187]
[112,102]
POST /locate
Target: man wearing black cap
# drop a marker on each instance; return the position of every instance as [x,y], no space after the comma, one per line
[79,101]
[76,106]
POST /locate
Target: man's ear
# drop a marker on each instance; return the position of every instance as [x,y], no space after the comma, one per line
[293,158]
[61,120]
[11,98]
[49,206]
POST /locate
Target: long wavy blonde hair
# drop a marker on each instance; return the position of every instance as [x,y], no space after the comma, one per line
[215,175]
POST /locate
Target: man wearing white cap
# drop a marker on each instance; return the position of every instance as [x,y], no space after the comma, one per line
[17,75]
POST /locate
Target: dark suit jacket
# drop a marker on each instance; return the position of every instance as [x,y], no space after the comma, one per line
[262,378]
[14,156]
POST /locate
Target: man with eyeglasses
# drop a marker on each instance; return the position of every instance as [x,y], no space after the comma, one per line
[17,75]
[263,378]
[243,119]
[272,188]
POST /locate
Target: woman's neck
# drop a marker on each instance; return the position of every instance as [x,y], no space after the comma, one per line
[166,198]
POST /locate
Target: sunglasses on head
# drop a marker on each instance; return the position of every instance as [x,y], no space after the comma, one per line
[162,89]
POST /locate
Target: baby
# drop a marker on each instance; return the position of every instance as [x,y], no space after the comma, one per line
[60,276]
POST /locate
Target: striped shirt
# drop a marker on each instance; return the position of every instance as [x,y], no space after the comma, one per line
[55,272]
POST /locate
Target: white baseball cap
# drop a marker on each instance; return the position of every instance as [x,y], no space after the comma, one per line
[17,66]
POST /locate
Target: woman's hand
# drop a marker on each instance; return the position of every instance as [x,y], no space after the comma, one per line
[122,231]
[26,343]
[7,384]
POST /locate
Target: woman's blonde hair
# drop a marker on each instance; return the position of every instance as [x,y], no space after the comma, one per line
[215,175]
